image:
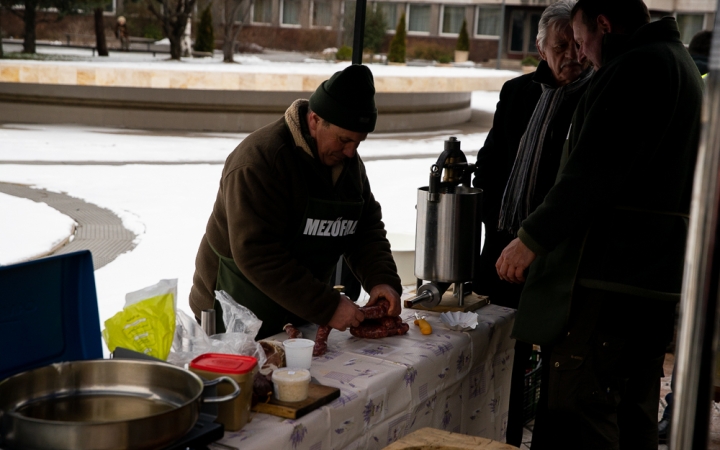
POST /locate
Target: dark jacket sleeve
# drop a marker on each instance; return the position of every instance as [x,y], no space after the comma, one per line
[491,174]
[257,211]
[370,257]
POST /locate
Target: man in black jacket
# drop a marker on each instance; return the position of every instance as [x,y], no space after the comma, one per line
[606,247]
[519,161]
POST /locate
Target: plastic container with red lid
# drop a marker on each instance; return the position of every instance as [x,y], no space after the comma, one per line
[236,413]
[224,363]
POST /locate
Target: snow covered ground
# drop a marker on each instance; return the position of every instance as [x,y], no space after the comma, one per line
[30,229]
[269,62]
[167,205]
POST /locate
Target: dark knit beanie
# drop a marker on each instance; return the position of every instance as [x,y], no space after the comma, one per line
[347,99]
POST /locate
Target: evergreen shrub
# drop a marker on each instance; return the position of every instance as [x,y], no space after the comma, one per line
[374,30]
[529,61]
[344,53]
[205,39]
[463,41]
[398,44]
[432,53]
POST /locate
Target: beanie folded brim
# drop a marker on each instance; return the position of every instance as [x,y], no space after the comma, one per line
[343,116]
[347,99]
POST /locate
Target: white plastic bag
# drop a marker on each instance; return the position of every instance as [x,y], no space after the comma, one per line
[241,324]
[236,317]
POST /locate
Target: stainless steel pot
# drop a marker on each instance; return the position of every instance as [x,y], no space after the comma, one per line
[101,405]
[447,240]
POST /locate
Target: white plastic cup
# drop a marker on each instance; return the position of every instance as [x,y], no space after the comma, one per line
[298,353]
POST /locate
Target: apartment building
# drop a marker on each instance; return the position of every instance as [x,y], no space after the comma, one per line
[512,24]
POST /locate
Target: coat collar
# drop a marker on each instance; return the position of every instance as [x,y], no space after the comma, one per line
[295,118]
[614,45]
[544,75]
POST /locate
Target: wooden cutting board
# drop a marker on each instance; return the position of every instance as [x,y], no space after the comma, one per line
[318,395]
[434,439]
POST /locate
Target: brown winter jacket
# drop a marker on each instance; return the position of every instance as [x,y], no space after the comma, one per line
[259,208]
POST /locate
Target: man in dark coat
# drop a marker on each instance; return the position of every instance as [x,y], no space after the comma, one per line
[607,244]
[699,49]
[518,164]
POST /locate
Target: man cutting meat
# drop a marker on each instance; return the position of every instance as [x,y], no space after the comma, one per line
[293,198]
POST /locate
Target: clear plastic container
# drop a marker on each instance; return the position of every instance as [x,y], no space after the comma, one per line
[291,385]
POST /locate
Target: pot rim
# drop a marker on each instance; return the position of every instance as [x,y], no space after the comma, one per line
[13,412]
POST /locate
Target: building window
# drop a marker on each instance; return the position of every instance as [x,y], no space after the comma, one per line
[321,13]
[689,24]
[290,12]
[488,21]
[389,11]
[524,32]
[262,11]
[452,19]
[418,18]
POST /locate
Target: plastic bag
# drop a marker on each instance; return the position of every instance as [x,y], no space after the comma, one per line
[242,326]
[236,317]
[147,322]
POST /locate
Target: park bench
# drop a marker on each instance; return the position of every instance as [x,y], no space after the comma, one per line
[92,47]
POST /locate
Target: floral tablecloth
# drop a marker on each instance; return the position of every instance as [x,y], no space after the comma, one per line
[451,380]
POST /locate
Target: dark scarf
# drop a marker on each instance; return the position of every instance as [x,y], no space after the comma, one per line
[520,187]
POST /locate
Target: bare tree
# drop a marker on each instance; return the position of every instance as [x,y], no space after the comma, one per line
[1,48]
[100,33]
[173,15]
[28,13]
[231,27]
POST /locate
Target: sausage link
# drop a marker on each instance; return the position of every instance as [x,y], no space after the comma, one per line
[369,331]
[292,332]
[321,340]
[391,321]
[400,330]
[376,311]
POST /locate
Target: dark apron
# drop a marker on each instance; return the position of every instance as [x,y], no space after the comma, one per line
[323,236]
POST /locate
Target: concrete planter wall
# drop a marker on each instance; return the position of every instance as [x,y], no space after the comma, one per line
[196,100]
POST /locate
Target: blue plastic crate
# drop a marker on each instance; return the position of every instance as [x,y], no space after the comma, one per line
[48,313]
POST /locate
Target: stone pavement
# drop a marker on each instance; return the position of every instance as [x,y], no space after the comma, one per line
[97,230]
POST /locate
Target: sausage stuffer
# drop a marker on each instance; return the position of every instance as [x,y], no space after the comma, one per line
[448,229]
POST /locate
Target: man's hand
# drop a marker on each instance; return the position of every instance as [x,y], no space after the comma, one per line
[513,261]
[388,293]
[346,315]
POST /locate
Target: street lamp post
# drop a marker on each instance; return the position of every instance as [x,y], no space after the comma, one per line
[359,33]
[502,32]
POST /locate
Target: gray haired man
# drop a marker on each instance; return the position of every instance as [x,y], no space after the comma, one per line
[519,161]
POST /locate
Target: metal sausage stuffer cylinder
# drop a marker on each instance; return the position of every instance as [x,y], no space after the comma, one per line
[448,234]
